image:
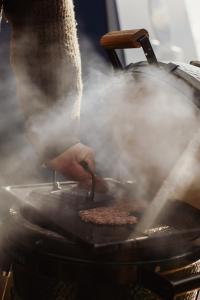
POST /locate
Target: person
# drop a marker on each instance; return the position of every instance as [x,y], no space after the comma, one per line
[46,61]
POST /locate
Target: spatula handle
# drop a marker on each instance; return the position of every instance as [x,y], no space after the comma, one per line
[123,39]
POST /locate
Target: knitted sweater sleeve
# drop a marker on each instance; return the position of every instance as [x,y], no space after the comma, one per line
[46,61]
[0,12]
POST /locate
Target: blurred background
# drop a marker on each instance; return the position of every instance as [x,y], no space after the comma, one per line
[174,27]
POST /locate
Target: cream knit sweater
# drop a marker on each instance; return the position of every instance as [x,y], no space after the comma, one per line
[46,61]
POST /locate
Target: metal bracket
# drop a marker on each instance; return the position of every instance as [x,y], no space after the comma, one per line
[148,50]
[55,184]
[117,65]
[195,63]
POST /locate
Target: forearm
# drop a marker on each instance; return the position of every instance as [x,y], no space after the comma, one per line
[0,12]
[46,60]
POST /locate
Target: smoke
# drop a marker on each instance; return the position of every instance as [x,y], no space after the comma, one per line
[139,127]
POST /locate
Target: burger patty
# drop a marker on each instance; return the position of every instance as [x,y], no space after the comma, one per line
[114,215]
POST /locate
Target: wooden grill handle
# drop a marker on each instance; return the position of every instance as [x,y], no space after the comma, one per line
[123,39]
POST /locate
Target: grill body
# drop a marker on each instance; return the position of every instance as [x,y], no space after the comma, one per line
[49,265]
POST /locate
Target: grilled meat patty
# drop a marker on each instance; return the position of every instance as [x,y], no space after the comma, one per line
[113,215]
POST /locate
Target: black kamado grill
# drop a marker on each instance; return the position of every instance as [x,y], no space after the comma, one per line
[55,255]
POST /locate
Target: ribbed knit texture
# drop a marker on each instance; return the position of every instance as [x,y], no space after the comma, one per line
[0,4]
[46,60]
[0,13]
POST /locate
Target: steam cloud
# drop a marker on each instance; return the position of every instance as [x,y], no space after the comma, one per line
[138,127]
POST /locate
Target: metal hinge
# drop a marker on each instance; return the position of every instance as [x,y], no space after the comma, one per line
[195,63]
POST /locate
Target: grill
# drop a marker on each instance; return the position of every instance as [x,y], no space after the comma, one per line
[66,251]
[55,255]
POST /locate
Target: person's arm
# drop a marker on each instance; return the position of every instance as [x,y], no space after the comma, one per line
[46,61]
[0,12]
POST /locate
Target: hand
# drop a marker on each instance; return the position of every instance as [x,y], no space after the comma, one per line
[68,163]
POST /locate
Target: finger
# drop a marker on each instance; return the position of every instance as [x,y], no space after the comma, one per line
[91,163]
[76,172]
[89,157]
